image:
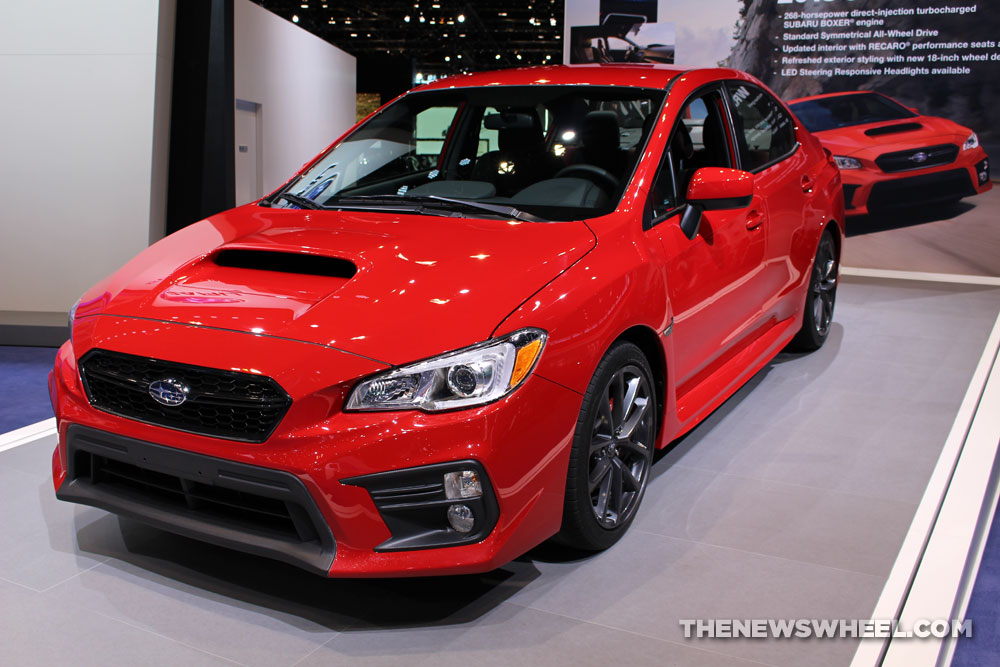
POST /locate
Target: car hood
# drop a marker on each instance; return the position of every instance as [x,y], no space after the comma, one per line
[421,285]
[897,135]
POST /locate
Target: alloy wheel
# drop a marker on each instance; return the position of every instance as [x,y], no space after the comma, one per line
[621,447]
[824,286]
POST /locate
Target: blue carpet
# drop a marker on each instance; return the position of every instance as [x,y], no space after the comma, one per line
[24,385]
[983,649]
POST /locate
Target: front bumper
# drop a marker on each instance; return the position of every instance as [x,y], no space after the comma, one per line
[521,442]
[870,190]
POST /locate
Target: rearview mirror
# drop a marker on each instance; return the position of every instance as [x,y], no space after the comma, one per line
[715,189]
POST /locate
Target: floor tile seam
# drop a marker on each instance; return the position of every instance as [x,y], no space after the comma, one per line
[141,628]
[336,635]
[786,559]
[100,562]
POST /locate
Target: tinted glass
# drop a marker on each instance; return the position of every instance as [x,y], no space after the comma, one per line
[830,113]
[699,140]
[768,132]
[556,152]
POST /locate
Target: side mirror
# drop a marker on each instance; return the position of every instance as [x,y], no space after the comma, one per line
[715,189]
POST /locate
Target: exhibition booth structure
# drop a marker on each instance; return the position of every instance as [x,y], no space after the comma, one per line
[339,421]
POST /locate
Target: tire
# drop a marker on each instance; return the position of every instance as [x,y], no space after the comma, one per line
[820,298]
[597,513]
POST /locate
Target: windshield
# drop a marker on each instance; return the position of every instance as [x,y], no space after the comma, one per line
[549,152]
[829,113]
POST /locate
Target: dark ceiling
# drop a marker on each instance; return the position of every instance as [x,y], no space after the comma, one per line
[440,37]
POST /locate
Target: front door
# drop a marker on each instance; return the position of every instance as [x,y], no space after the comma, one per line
[713,280]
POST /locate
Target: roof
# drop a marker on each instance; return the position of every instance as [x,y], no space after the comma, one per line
[626,74]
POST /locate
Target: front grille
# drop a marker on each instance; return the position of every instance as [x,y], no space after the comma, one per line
[223,404]
[928,188]
[917,158]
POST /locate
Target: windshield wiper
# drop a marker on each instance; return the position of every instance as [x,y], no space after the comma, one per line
[301,202]
[448,202]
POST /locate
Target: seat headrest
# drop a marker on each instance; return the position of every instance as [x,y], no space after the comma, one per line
[681,144]
[600,130]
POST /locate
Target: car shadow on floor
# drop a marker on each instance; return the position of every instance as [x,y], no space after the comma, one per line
[906,217]
[673,453]
[202,570]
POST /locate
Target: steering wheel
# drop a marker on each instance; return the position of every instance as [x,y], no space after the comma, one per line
[596,175]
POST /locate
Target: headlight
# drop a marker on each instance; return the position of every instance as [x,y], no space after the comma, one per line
[971,142]
[846,162]
[472,376]
[72,316]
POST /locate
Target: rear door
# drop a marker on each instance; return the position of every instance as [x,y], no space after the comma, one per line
[783,179]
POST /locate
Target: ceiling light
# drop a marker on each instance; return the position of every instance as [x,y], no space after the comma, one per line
[498,56]
[461,18]
[406,18]
[295,18]
[447,59]
[422,19]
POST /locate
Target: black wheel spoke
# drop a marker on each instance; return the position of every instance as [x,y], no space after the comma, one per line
[603,496]
[639,411]
[607,418]
[617,495]
[600,441]
[618,399]
[599,472]
[629,479]
[636,448]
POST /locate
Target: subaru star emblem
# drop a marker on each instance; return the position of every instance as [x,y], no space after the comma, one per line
[919,157]
[168,391]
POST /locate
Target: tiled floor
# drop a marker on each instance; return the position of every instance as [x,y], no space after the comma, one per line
[789,502]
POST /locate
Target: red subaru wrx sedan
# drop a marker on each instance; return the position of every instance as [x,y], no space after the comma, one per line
[461,330]
[891,156]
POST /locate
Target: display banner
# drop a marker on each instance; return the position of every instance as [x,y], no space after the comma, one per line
[903,93]
[940,56]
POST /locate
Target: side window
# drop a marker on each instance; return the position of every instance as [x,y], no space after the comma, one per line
[767,132]
[699,140]
[432,130]
[663,193]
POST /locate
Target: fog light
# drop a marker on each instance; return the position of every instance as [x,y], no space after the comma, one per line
[462,484]
[461,518]
[983,171]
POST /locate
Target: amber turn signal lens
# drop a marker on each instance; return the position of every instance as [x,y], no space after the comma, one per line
[525,359]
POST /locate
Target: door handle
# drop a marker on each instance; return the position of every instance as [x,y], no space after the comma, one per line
[754,219]
[807,184]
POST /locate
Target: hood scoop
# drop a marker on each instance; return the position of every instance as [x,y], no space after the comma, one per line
[286,262]
[893,129]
